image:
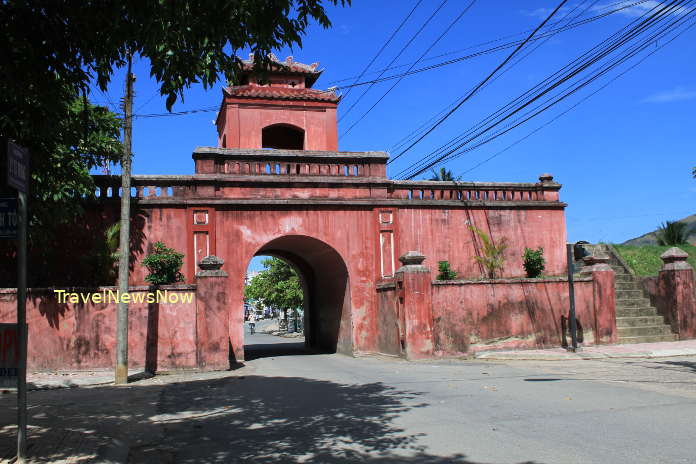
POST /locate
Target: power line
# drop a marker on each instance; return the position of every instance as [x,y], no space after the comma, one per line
[519,98]
[604,12]
[477,87]
[455,21]
[379,52]
[403,49]
[546,36]
[415,170]
[500,111]
[587,97]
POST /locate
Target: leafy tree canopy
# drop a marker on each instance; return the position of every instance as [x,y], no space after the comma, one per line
[52,50]
[276,286]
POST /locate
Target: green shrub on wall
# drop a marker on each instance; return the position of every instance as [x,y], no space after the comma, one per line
[492,255]
[445,272]
[164,265]
[534,262]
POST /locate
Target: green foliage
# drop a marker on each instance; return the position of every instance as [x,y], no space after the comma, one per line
[445,271]
[492,259]
[534,262]
[87,138]
[276,286]
[645,260]
[671,233]
[164,265]
[185,42]
[443,175]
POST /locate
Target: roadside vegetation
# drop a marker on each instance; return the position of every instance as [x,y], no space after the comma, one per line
[645,260]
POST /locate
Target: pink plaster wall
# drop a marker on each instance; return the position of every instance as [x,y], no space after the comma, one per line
[244,120]
[472,316]
[82,336]
[352,233]
[443,235]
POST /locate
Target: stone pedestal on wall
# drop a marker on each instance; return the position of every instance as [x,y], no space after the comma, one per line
[604,298]
[414,302]
[211,315]
[676,292]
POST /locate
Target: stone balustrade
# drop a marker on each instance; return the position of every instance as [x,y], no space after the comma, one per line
[236,162]
[544,190]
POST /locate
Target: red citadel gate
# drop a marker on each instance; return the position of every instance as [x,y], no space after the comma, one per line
[276,185]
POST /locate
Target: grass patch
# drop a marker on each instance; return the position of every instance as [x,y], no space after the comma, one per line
[645,260]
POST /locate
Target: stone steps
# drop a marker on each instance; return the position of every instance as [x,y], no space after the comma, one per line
[635,312]
[632,303]
[639,321]
[648,339]
[636,320]
[644,331]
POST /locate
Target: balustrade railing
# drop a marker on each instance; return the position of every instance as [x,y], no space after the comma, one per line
[289,163]
[143,187]
[206,185]
[544,190]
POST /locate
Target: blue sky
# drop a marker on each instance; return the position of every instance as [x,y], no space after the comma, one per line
[624,156]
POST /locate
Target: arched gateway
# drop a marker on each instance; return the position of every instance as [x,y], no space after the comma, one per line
[339,218]
[326,285]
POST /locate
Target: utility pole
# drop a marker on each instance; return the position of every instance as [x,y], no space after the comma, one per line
[124,242]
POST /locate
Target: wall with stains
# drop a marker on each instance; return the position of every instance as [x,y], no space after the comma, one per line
[470,316]
[83,335]
[444,235]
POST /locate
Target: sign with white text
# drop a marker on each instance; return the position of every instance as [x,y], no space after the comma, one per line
[17,167]
[8,218]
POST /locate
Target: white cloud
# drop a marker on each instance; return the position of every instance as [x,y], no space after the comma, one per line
[636,10]
[668,96]
[543,13]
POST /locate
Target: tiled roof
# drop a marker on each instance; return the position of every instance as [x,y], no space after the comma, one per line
[280,93]
[289,64]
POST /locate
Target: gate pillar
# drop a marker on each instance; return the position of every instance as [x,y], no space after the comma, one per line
[211,315]
[414,294]
[676,290]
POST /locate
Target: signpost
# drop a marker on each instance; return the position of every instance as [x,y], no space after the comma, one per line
[18,178]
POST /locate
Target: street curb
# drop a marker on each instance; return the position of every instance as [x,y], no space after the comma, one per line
[522,356]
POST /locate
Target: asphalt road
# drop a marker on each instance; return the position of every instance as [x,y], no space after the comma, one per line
[297,407]
[288,405]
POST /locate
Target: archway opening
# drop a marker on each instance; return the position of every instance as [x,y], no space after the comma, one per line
[319,321]
[282,136]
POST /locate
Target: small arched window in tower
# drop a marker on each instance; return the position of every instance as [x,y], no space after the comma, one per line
[282,136]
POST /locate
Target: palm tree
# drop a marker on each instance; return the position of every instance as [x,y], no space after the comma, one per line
[671,233]
[443,175]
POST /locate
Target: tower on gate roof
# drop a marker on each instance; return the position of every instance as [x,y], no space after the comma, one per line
[278,108]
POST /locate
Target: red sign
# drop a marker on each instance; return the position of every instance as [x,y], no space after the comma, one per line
[9,355]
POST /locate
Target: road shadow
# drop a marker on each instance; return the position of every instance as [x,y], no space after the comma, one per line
[226,420]
[273,350]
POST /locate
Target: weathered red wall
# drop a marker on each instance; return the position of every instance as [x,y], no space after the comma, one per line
[471,316]
[244,120]
[352,233]
[443,235]
[82,336]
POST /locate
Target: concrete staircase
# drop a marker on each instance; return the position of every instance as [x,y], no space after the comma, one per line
[637,321]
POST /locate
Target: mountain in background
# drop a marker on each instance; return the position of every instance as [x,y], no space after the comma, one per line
[651,239]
